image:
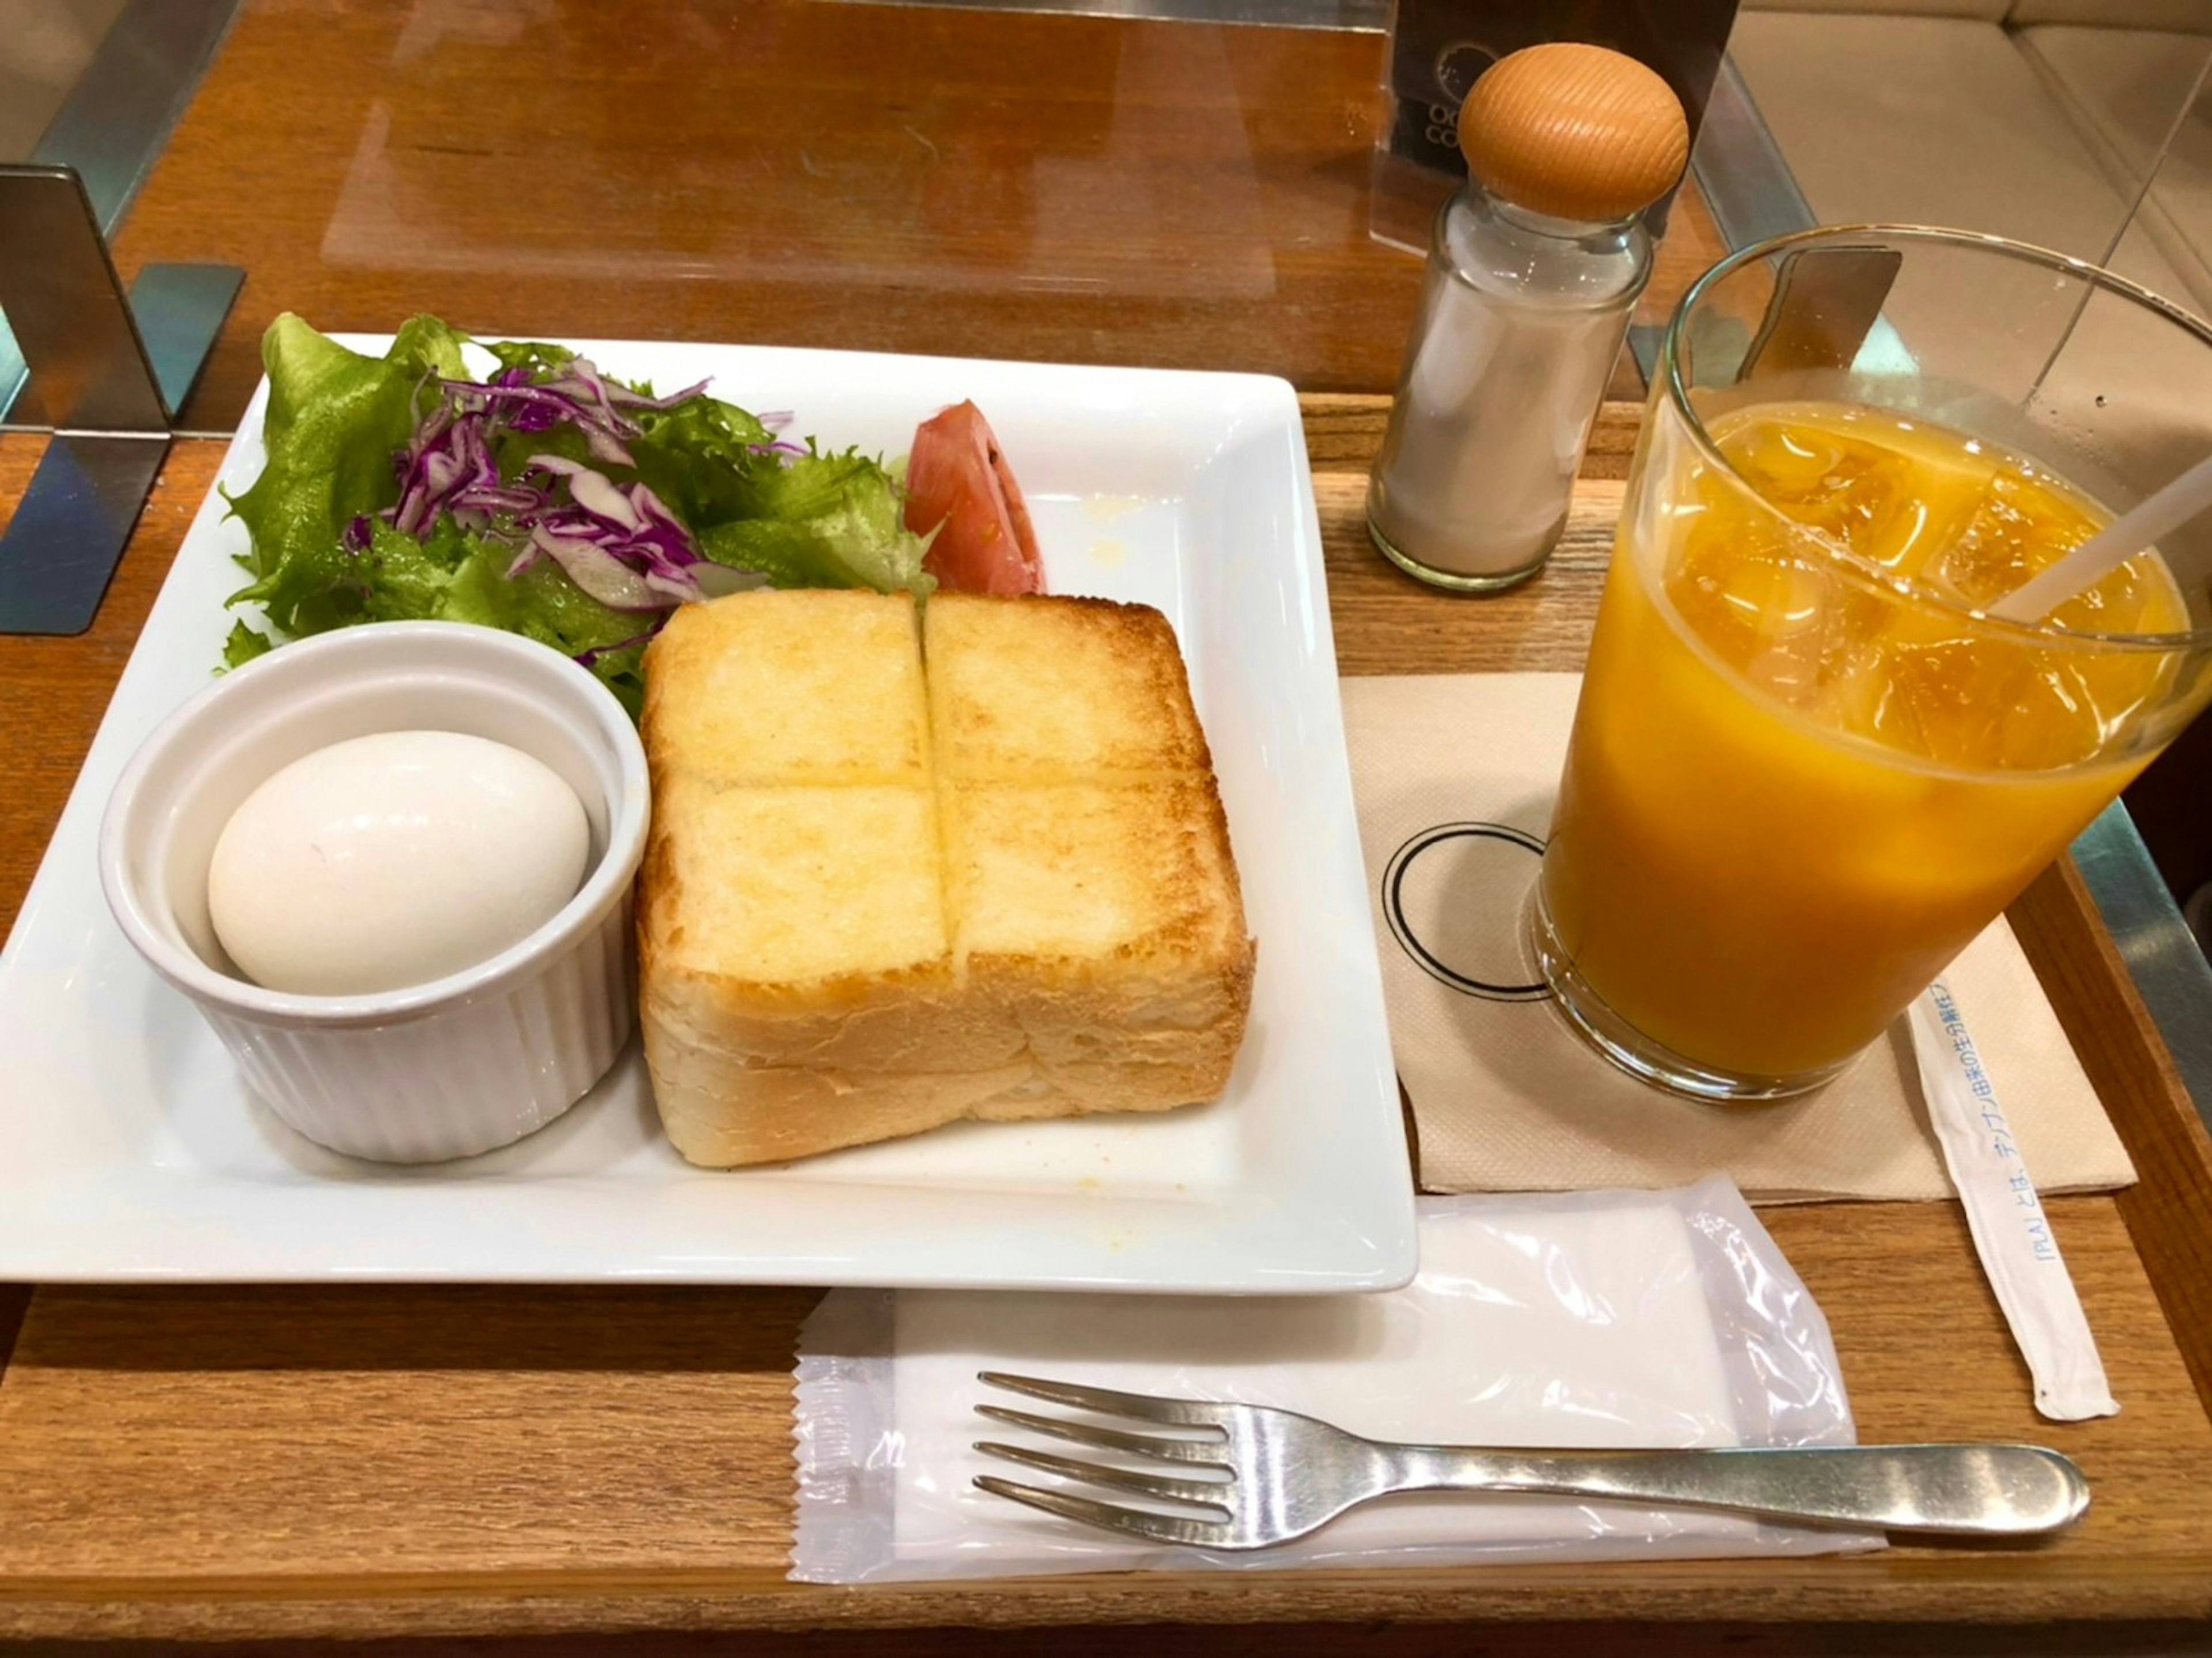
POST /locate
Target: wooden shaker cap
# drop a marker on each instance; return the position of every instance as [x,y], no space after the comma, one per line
[1575,131]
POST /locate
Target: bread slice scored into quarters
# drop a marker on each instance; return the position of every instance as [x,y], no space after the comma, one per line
[908,867]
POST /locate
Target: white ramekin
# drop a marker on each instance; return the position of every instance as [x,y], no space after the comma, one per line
[446,1069]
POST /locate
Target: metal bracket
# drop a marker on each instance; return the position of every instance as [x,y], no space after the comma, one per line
[107,389]
[2162,958]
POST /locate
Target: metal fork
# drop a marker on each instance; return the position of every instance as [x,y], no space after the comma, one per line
[1270,1475]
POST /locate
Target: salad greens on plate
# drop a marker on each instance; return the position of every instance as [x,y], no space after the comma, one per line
[548,499]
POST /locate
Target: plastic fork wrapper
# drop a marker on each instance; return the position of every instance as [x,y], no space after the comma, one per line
[1594,1319]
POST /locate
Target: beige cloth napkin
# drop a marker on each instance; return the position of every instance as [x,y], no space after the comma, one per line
[1454,776]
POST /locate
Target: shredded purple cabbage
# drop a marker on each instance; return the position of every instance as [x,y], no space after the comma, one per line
[587,658]
[617,542]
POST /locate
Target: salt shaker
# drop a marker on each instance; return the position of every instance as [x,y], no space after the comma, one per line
[1533,270]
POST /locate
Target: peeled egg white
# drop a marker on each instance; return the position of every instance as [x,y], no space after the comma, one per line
[390,860]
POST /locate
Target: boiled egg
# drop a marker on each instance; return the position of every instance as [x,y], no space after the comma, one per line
[390,860]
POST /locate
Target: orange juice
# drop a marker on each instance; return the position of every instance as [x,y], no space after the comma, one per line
[1803,774]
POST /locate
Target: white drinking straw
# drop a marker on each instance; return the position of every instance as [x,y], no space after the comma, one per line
[2110,548]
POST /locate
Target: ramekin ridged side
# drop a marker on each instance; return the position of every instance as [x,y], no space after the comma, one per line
[454,1083]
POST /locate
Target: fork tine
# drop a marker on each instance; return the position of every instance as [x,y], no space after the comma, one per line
[1134,1522]
[1108,1402]
[1205,1452]
[1211,1493]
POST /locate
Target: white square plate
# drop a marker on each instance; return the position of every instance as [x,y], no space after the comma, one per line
[130,1150]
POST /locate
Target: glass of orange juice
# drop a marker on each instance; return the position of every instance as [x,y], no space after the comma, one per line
[1808,765]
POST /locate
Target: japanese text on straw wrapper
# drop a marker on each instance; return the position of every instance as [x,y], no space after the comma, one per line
[1993,1122]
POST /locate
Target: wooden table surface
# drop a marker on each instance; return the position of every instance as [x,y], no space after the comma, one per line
[794,172]
[488,1467]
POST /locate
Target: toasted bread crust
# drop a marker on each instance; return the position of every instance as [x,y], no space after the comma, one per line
[806,985]
[723,1115]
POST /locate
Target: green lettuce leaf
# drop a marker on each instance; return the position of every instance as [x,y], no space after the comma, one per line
[336,420]
[244,644]
[824,520]
[533,354]
[544,604]
[699,458]
[451,576]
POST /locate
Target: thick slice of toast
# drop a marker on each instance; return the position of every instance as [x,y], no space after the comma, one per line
[1070,690]
[791,909]
[796,926]
[810,685]
[1031,910]
[1109,917]
[743,874]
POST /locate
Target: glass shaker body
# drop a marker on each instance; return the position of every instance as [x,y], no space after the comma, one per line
[1520,319]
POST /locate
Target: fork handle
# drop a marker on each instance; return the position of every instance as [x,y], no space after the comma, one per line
[1980,1489]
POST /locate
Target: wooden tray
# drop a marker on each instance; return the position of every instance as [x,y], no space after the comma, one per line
[307,1462]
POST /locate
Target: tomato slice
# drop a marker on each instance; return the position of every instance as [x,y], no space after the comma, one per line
[956,476]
